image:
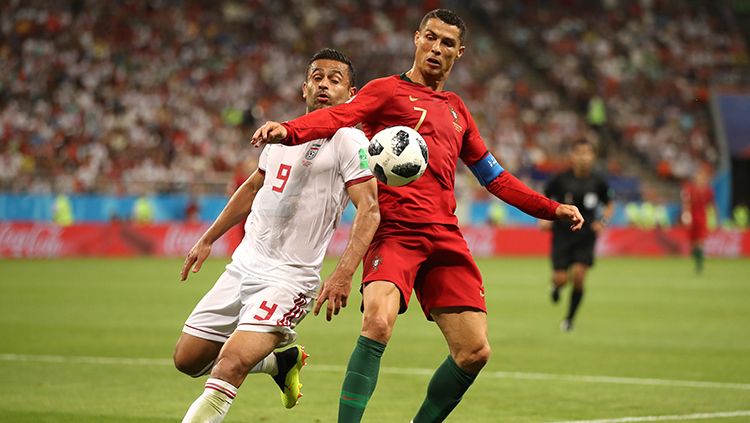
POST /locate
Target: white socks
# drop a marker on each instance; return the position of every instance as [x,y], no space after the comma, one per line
[213,404]
[268,365]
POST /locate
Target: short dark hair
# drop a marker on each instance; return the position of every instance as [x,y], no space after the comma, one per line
[333,54]
[448,16]
[582,141]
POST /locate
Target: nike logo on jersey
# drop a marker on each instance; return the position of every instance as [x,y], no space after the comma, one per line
[413,98]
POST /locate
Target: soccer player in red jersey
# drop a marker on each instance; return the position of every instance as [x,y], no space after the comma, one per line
[418,246]
[696,197]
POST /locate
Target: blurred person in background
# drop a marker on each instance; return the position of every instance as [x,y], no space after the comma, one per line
[62,210]
[143,209]
[573,252]
[697,197]
[741,216]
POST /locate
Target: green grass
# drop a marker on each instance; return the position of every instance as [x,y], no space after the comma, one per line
[641,318]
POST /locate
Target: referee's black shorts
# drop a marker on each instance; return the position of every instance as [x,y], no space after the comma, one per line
[571,247]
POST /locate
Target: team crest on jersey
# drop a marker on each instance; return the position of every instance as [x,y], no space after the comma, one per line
[376,262]
[456,126]
[312,151]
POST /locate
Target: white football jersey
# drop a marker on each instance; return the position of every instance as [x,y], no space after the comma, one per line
[299,206]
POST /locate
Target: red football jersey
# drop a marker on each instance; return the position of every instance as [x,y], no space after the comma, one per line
[439,116]
[699,199]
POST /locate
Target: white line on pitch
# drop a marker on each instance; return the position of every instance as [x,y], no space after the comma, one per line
[396,370]
[697,416]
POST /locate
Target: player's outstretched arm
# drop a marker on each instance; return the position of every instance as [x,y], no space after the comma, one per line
[514,192]
[336,288]
[270,133]
[234,212]
[323,123]
[508,188]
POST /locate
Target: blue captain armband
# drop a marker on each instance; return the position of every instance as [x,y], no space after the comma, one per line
[486,169]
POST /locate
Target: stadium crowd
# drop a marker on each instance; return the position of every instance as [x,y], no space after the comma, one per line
[160,95]
[650,62]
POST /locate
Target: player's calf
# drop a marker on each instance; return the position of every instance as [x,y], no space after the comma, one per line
[242,353]
[195,356]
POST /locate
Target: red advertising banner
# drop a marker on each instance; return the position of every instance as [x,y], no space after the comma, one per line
[38,240]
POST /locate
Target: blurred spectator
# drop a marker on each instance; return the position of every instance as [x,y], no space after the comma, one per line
[651,62]
[62,211]
[164,93]
[100,99]
[143,210]
[741,217]
[192,210]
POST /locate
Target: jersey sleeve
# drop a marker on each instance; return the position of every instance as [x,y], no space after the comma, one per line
[473,147]
[351,154]
[323,123]
[263,159]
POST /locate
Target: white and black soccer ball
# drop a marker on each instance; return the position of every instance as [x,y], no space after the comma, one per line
[398,155]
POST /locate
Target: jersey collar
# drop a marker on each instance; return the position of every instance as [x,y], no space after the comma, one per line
[406,78]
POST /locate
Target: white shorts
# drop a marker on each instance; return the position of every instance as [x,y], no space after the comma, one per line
[245,302]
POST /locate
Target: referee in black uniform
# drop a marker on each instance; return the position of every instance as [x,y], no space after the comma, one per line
[573,252]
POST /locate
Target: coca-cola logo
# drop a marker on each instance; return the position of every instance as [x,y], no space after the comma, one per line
[30,241]
[180,239]
[481,241]
[724,243]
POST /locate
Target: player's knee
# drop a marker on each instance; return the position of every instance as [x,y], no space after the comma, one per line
[377,327]
[473,359]
[188,364]
[231,367]
[560,278]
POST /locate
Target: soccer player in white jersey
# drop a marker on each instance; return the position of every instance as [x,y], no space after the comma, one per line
[292,204]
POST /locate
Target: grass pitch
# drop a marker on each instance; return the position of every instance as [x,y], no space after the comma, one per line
[91,341]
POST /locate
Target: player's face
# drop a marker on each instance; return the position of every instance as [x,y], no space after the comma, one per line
[702,177]
[583,157]
[327,84]
[438,47]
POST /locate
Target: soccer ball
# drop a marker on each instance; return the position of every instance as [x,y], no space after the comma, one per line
[398,155]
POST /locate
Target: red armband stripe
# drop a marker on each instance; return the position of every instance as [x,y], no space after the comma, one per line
[357,180]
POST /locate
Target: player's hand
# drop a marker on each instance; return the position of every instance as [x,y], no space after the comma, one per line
[545,225]
[270,133]
[336,291]
[195,258]
[571,213]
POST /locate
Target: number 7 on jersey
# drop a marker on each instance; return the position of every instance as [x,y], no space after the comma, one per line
[421,118]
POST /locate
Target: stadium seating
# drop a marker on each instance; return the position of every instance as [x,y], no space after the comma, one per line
[652,63]
[159,97]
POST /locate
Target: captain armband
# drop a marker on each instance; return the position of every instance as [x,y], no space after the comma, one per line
[486,169]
